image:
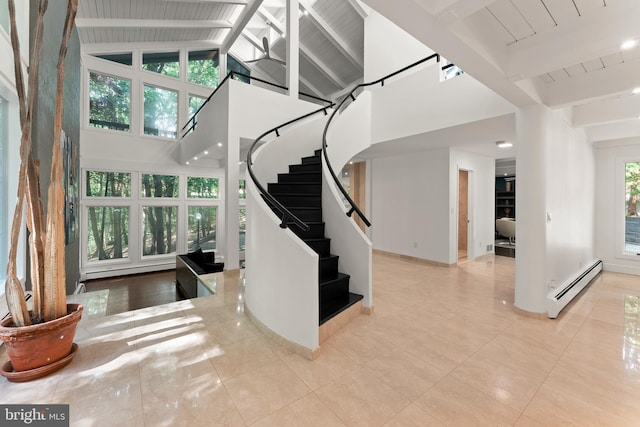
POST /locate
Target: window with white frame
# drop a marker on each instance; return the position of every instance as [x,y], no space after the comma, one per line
[125,58]
[132,218]
[108,220]
[109,102]
[165,63]
[632,206]
[195,102]
[160,112]
[202,67]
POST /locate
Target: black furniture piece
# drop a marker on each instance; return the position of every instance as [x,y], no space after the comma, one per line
[189,266]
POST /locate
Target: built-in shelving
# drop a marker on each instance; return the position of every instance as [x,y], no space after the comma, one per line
[505,196]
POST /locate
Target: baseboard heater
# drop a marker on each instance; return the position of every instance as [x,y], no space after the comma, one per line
[559,297]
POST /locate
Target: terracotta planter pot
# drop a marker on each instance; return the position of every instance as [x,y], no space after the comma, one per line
[35,346]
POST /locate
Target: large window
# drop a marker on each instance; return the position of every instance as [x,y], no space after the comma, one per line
[166,63]
[202,227]
[159,186]
[159,230]
[160,112]
[109,102]
[4,196]
[108,219]
[108,184]
[632,218]
[133,218]
[202,68]
[108,233]
[202,188]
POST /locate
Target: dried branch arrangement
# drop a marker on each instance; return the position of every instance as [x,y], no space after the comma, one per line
[46,238]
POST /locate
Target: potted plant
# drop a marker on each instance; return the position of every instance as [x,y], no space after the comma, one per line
[39,341]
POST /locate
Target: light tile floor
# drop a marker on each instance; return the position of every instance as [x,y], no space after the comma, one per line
[443,348]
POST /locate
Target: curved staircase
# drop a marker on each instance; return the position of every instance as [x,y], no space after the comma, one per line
[300,191]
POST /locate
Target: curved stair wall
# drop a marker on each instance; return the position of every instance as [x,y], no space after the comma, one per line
[349,134]
[281,274]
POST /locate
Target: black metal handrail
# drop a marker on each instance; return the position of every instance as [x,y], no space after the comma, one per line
[193,121]
[350,95]
[287,216]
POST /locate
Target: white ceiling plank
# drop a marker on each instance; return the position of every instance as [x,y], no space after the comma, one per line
[243,19]
[585,38]
[562,11]
[593,65]
[149,23]
[606,111]
[535,13]
[546,78]
[242,2]
[455,10]
[618,79]
[631,55]
[271,20]
[359,8]
[587,6]
[253,40]
[509,17]
[326,29]
[559,75]
[615,131]
[304,50]
[613,59]
[575,70]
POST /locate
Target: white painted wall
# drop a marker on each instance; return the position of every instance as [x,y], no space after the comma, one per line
[350,133]
[419,102]
[555,201]
[410,197]
[382,54]
[610,206]
[481,202]
[416,101]
[282,284]
[570,189]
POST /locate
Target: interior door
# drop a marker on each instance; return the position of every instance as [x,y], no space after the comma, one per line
[463,212]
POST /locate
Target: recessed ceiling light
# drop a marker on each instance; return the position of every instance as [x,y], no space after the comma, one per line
[629,44]
[505,174]
[219,144]
[187,162]
[504,144]
[195,157]
[206,152]
[636,91]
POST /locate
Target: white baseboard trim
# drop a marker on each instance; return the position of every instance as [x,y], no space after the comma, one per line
[621,268]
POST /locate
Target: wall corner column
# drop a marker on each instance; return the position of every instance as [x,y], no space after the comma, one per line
[293,45]
[532,125]
[232,204]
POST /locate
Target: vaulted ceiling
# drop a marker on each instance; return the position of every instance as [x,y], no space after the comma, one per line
[331,33]
[562,53]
